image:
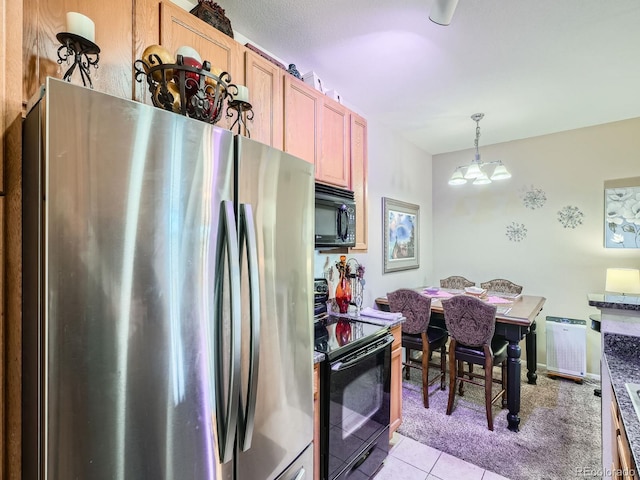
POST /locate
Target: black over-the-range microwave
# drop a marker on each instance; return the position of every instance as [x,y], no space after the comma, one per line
[335,217]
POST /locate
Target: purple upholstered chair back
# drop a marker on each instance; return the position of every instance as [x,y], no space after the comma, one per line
[502,285]
[414,306]
[469,320]
[456,282]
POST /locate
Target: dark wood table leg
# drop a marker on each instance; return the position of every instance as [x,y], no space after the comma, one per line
[532,354]
[513,384]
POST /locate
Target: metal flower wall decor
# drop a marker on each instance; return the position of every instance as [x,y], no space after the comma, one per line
[570,216]
[534,198]
[622,213]
[516,232]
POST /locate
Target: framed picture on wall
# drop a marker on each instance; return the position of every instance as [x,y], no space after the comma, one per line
[622,213]
[400,235]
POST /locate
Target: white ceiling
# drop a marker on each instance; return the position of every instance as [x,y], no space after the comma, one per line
[532,66]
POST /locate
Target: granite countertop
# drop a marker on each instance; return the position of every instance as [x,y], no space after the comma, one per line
[617,302]
[623,358]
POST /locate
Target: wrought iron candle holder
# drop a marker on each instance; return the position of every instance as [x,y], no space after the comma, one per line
[85,54]
[244,113]
[356,277]
[185,89]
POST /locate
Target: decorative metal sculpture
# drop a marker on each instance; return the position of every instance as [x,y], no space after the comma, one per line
[85,54]
[570,216]
[357,284]
[244,113]
[294,71]
[191,91]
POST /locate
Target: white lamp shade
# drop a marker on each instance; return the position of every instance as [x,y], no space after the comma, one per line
[623,280]
[457,178]
[500,173]
[473,171]
[442,11]
[481,179]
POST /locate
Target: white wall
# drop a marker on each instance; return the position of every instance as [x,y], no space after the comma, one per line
[561,264]
[401,171]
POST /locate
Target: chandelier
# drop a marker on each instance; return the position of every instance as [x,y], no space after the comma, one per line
[477,169]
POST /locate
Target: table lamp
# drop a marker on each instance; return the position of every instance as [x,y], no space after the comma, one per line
[625,281]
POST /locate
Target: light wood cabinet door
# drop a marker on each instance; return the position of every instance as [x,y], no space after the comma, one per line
[43,20]
[316,422]
[623,465]
[265,82]
[333,166]
[396,380]
[359,174]
[178,27]
[301,111]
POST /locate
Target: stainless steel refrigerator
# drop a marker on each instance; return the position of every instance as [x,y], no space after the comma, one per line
[167,287]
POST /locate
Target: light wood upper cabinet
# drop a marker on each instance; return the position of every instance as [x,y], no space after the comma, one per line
[265,83]
[179,27]
[333,166]
[301,112]
[359,175]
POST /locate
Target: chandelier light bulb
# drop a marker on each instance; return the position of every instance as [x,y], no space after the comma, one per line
[500,173]
[482,179]
[473,172]
[457,178]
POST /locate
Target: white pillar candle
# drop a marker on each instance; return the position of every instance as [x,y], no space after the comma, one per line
[81,25]
[242,95]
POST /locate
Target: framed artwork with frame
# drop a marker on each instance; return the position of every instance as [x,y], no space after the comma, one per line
[400,235]
[622,213]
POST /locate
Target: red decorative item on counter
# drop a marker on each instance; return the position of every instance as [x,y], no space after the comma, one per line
[343,290]
[343,332]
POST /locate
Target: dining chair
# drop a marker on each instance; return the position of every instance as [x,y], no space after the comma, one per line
[471,326]
[502,285]
[417,335]
[456,282]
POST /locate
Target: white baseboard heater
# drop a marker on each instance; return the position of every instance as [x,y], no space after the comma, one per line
[567,347]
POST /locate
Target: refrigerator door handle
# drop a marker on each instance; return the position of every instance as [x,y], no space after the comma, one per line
[227,419]
[248,239]
[301,474]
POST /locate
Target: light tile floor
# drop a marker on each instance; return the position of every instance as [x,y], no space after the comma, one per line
[411,460]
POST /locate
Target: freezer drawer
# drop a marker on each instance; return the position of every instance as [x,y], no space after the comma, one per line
[301,468]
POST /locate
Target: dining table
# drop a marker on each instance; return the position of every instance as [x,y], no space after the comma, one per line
[515,320]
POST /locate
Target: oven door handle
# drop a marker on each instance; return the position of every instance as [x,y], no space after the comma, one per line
[338,366]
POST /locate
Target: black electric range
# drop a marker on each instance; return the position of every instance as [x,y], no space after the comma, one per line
[335,335]
[338,336]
